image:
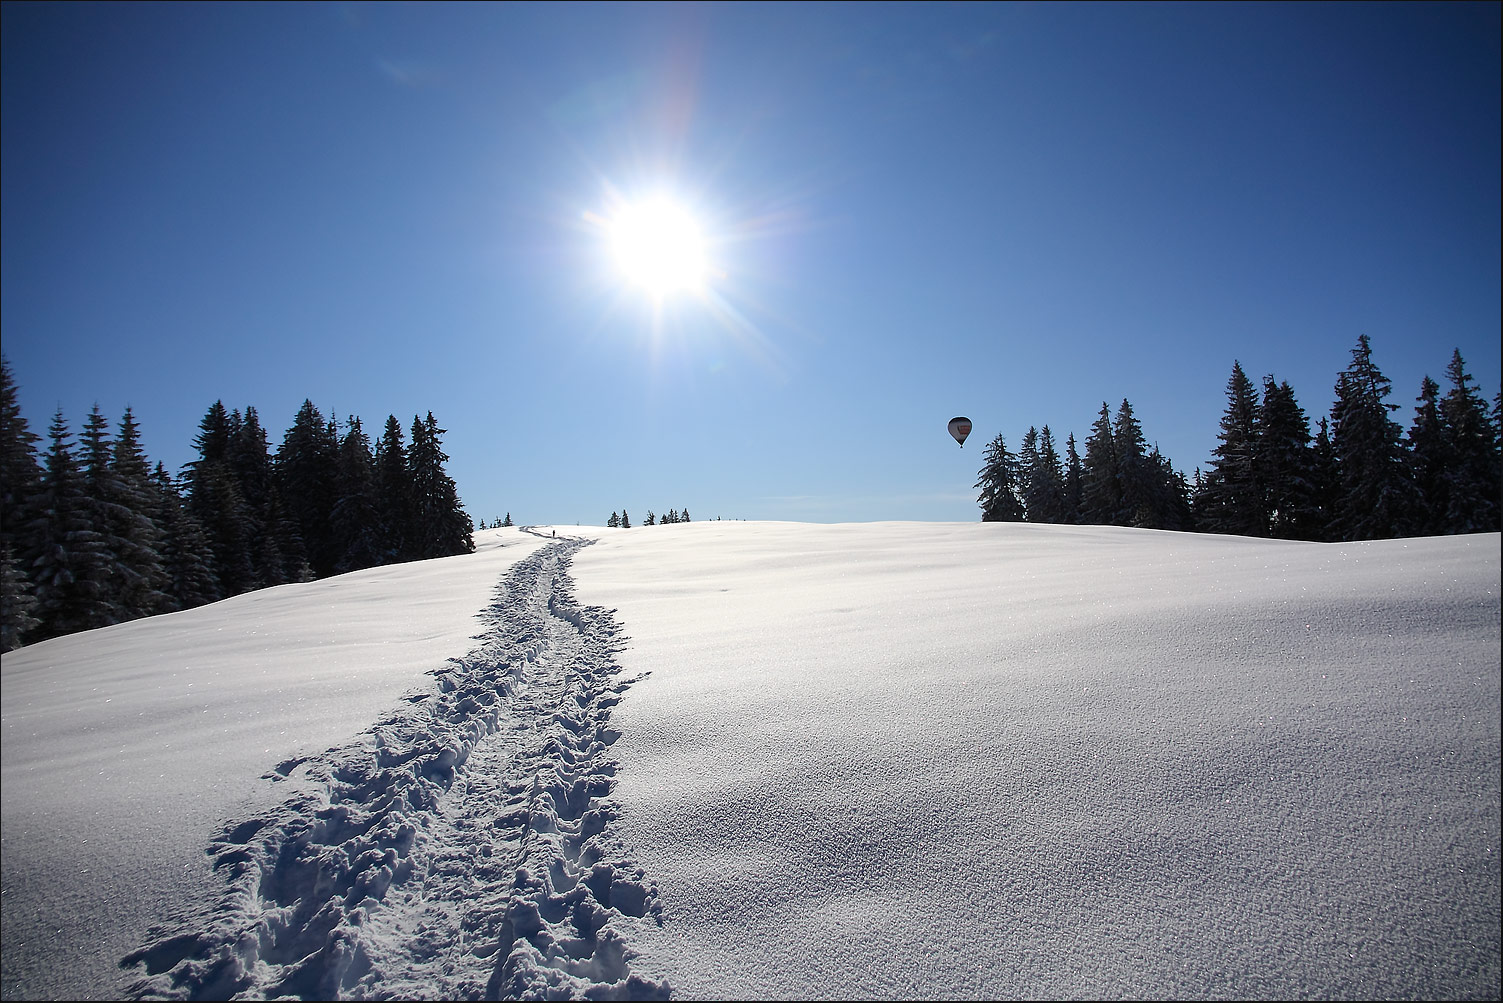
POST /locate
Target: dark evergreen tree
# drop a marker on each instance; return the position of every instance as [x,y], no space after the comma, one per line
[70,567]
[443,527]
[651,519]
[1231,499]
[1169,505]
[614,522]
[1327,484]
[1028,465]
[276,551]
[304,474]
[1045,500]
[394,496]
[214,499]
[355,521]
[507,521]
[1284,466]
[20,473]
[145,589]
[1472,483]
[1074,482]
[625,520]
[187,556]
[998,483]
[1101,487]
[1429,461]
[683,516]
[16,601]
[1377,499]
[1137,476]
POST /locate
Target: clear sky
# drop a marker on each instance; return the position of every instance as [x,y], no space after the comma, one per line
[1011,212]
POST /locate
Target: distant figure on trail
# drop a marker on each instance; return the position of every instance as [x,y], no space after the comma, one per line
[555,534]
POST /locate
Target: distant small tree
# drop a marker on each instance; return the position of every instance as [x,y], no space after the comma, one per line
[625,520]
[614,522]
[683,515]
[507,521]
[651,520]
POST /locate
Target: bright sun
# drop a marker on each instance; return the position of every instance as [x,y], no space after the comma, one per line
[659,247]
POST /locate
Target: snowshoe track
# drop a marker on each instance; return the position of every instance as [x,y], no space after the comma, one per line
[460,849]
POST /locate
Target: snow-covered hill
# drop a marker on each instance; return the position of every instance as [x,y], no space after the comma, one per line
[777,760]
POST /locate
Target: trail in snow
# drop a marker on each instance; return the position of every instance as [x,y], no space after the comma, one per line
[460,849]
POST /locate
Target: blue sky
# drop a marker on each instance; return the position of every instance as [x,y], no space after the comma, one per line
[1012,212]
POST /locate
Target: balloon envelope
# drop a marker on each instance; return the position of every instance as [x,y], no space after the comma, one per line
[960,428]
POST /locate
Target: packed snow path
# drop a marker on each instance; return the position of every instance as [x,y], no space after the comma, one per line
[460,849]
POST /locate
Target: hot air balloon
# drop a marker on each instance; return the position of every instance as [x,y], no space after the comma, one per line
[960,428]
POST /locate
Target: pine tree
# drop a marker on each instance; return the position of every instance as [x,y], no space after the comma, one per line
[355,521]
[304,473]
[1230,499]
[70,568]
[1137,476]
[187,556]
[16,601]
[394,495]
[214,499]
[625,520]
[683,516]
[1327,484]
[614,522]
[1074,482]
[1284,466]
[1377,497]
[1430,461]
[507,521]
[1045,501]
[443,528]
[145,588]
[998,483]
[1169,505]
[1101,487]
[20,473]
[1471,474]
[651,519]
[1028,465]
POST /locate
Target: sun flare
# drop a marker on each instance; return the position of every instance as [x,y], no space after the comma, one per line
[658,246]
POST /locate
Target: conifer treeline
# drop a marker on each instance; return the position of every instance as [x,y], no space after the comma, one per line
[92,535]
[1360,476]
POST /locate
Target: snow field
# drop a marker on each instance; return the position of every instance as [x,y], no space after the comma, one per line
[1013,761]
[763,760]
